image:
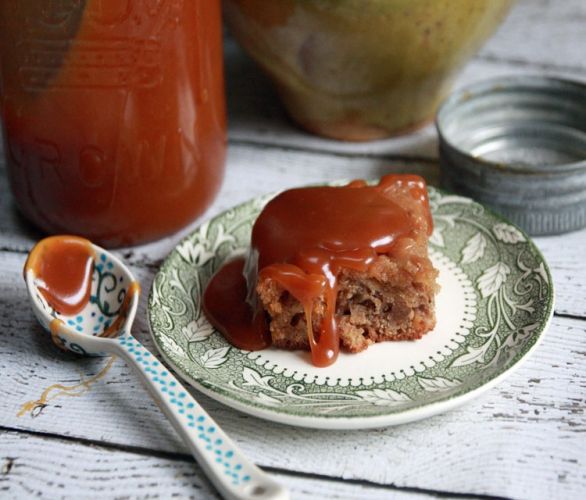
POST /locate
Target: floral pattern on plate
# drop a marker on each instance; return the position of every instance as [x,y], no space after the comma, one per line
[495,303]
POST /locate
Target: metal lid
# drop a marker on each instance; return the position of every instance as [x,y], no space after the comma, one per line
[518,144]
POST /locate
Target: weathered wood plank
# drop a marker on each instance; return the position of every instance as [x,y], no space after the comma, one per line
[565,257]
[542,33]
[77,470]
[525,438]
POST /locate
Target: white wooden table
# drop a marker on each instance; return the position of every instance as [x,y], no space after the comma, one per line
[524,439]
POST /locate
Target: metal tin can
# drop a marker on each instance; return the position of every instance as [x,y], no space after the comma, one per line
[518,145]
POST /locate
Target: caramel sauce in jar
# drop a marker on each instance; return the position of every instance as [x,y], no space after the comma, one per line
[113,114]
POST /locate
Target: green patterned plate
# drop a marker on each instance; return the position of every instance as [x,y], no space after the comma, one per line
[495,302]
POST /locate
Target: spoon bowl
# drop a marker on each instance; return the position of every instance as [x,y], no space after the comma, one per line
[108,314]
[87,300]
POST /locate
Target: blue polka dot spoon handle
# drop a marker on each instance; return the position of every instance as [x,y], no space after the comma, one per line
[232,473]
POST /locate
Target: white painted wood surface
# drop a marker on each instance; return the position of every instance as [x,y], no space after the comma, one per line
[524,439]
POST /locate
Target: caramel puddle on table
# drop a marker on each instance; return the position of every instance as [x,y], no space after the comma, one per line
[57,390]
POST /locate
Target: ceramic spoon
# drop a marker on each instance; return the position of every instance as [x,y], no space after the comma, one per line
[103,327]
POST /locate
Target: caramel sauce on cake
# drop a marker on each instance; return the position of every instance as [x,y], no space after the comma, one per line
[302,240]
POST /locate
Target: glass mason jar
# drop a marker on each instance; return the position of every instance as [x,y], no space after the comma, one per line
[113,113]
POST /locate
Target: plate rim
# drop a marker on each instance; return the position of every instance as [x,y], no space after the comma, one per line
[357,422]
[392,418]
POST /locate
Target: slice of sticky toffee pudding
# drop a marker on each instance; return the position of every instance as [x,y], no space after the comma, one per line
[330,268]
